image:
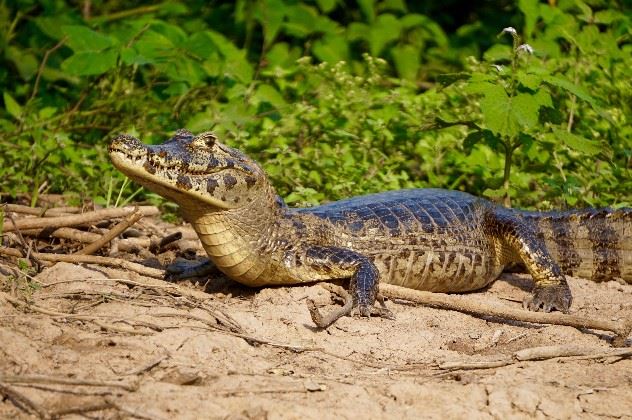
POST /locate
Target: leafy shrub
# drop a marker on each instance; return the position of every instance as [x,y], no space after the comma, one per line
[408,106]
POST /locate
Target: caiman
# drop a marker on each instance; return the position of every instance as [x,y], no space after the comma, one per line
[426,239]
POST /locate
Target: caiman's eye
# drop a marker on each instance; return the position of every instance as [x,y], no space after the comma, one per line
[205,140]
[209,139]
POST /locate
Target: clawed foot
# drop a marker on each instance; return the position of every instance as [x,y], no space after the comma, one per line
[549,298]
[348,309]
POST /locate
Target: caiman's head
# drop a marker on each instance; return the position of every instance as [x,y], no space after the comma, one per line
[194,171]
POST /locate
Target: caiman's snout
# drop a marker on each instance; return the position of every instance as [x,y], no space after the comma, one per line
[126,144]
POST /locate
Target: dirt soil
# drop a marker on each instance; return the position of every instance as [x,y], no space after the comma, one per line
[157,350]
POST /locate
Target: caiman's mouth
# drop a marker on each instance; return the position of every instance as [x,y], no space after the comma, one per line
[183,169]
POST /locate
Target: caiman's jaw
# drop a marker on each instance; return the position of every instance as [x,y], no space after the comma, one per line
[190,170]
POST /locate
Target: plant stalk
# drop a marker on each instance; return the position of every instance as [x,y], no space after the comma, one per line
[507,173]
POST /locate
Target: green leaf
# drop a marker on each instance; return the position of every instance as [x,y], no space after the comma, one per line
[236,65]
[384,30]
[578,143]
[153,47]
[471,139]
[81,38]
[529,80]
[301,21]
[173,33]
[326,5]
[24,61]
[570,87]
[412,20]
[505,115]
[407,60]
[494,193]
[498,52]
[525,107]
[449,78]
[11,105]
[267,93]
[331,48]
[608,16]
[200,44]
[530,9]
[368,9]
[88,63]
[270,14]
[393,5]
[357,31]
[495,106]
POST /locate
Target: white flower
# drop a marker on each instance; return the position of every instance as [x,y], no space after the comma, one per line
[526,48]
[509,30]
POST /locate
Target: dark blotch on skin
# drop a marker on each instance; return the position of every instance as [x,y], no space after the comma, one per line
[230,181]
[213,162]
[250,181]
[183,182]
[299,226]
[211,184]
[149,167]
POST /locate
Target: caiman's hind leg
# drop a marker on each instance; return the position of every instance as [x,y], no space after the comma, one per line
[340,263]
[551,290]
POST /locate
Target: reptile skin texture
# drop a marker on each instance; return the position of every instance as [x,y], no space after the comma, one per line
[426,239]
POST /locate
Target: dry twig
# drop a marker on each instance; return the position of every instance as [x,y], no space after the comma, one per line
[79,219]
[59,380]
[111,234]
[41,211]
[563,352]
[64,233]
[81,409]
[90,259]
[462,304]
[21,401]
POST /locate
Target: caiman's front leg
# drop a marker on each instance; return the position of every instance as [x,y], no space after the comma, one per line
[551,290]
[331,263]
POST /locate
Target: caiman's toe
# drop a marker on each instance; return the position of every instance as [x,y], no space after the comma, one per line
[364,310]
[549,298]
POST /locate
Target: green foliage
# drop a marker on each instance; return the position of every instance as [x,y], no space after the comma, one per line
[334,99]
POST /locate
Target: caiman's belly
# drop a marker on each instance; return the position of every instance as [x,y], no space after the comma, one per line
[436,270]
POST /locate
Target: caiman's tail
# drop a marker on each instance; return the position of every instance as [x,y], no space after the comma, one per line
[592,243]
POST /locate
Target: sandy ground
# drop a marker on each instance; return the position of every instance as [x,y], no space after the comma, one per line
[221,350]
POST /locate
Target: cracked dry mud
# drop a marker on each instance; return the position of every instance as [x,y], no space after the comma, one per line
[374,368]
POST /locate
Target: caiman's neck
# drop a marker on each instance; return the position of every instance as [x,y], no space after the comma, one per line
[236,239]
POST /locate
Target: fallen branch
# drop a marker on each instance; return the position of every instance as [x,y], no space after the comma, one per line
[563,352]
[39,211]
[64,233]
[114,328]
[80,409]
[461,304]
[22,402]
[111,234]
[79,219]
[58,380]
[147,367]
[89,259]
